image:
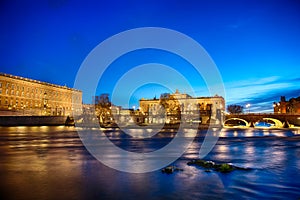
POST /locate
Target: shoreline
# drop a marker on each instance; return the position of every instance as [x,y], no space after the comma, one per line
[34,120]
[8,121]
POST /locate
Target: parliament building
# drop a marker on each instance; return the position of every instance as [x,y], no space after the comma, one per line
[172,107]
[24,96]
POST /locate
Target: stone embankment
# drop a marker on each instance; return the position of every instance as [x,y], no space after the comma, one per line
[34,120]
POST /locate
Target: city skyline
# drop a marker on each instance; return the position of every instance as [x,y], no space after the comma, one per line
[255,44]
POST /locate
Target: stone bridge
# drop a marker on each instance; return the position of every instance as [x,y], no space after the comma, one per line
[279,120]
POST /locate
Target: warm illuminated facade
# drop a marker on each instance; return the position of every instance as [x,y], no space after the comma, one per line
[210,108]
[25,96]
[287,107]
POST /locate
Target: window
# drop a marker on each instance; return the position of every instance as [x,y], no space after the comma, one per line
[6,92]
[0,91]
[12,92]
[0,84]
[12,86]
[7,85]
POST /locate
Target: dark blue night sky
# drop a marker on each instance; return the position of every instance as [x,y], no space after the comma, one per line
[255,44]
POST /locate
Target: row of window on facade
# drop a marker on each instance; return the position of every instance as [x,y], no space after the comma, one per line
[35,93]
[28,104]
[184,107]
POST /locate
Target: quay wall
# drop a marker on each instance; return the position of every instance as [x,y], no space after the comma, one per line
[32,120]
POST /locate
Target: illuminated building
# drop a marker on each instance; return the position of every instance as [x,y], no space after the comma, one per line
[26,96]
[287,107]
[172,107]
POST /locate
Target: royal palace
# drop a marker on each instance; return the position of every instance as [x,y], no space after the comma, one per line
[24,96]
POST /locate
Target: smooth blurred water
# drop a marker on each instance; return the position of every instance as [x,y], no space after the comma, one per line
[51,163]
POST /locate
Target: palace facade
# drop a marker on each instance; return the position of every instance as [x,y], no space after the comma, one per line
[26,96]
[172,107]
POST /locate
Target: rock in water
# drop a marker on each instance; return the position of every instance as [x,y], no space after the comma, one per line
[222,167]
[170,169]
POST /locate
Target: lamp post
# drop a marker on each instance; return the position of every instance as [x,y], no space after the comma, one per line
[248,106]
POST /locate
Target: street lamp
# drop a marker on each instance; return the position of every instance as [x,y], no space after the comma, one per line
[248,106]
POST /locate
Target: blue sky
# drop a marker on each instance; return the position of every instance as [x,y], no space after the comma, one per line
[255,44]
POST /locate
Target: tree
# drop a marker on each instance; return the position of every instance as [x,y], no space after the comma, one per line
[103,108]
[171,105]
[235,109]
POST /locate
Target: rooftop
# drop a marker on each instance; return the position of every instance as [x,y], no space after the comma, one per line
[36,81]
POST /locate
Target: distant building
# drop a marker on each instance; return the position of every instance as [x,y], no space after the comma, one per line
[109,113]
[291,106]
[171,107]
[26,96]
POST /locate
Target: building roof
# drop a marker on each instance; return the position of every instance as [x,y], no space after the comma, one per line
[36,81]
[179,95]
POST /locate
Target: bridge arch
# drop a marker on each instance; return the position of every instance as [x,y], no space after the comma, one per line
[236,119]
[278,123]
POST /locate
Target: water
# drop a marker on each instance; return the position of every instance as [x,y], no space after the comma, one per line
[51,163]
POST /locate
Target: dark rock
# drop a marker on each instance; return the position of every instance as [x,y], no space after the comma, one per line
[224,168]
[210,165]
[170,169]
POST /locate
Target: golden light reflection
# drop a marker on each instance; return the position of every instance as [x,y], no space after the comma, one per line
[222,148]
[223,152]
[249,149]
[189,133]
[249,133]
[223,133]
[296,131]
[235,133]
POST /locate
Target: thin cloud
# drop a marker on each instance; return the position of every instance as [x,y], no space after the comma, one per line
[261,93]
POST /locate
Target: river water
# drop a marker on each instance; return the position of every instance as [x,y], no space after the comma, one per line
[52,163]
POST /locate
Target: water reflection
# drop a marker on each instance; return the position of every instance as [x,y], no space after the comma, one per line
[51,163]
[255,132]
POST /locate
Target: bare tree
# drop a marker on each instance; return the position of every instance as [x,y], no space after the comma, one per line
[235,109]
